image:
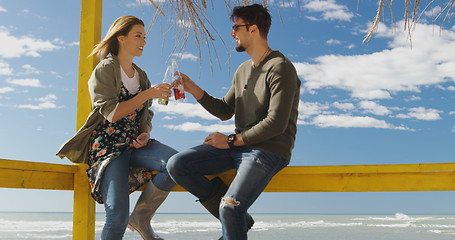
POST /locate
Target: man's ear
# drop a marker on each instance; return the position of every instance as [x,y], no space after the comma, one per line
[254,29]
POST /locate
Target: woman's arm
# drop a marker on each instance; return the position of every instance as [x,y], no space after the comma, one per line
[127,107]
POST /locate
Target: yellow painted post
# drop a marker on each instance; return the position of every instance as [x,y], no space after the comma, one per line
[84,205]
[91,15]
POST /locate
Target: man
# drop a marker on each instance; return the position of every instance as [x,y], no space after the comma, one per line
[264,97]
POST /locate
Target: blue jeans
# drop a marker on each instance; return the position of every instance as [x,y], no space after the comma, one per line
[114,185]
[255,169]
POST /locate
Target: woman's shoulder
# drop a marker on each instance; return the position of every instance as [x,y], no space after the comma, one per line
[109,62]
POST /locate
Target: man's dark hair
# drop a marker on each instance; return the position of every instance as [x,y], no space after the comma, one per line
[254,14]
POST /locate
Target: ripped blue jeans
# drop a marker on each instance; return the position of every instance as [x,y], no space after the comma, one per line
[255,169]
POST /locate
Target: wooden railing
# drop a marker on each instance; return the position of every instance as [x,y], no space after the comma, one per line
[348,178]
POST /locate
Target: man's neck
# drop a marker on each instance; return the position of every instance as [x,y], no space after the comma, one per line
[259,52]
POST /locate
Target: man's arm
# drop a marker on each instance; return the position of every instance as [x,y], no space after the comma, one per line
[220,108]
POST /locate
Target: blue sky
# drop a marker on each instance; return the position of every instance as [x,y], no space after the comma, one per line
[383,102]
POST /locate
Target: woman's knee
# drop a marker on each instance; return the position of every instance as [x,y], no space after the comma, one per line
[163,181]
[117,219]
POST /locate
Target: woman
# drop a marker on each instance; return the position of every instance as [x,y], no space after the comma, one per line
[114,140]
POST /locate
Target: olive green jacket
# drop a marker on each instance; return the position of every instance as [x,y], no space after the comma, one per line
[104,86]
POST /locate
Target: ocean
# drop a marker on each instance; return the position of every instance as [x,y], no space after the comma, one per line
[399,226]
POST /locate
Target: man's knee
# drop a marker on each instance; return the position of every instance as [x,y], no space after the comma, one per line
[174,165]
[229,206]
[171,164]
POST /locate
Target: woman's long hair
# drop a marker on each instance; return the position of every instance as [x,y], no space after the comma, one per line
[110,45]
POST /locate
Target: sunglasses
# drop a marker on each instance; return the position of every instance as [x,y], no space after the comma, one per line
[235,27]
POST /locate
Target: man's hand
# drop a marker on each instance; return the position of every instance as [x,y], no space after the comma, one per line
[217,140]
[189,85]
[141,140]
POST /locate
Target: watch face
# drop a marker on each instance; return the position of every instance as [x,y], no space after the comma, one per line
[231,138]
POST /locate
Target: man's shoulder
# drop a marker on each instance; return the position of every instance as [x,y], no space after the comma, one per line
[279,62]
[278,58]
[246,64]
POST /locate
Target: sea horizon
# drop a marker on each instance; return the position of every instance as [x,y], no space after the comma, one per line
[196,226]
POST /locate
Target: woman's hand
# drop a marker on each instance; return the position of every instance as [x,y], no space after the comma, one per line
[162,90]
[141,140]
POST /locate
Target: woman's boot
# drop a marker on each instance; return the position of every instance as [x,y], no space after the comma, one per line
[146,206]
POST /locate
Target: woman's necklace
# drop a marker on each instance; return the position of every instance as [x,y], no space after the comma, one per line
[263,56]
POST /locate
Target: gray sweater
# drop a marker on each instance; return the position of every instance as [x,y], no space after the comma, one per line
[265,102]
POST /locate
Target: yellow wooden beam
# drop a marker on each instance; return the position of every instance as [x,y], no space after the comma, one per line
[365,178]
[34,175]
[90,35]
[84,206]
[91,16]
[359,178]
[347,178]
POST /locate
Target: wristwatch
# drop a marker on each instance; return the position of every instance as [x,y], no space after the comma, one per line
[230,140]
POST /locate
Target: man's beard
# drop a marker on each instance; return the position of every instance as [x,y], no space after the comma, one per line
[240,48]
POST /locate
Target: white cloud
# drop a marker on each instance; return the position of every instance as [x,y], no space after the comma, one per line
[347,121]
[73,44]
[333,42]
[453,129]
[378,75]
[330,10]
[374,108]
[452,113]
[184,24]
[47,102]
[13,47]
[307,109]
[133,4]
[422,113]
[191,126]
[186,56]
[6,89]
[412,98]
[29,70]
[25,82]
[344,106]
[287,4]
[5,68]
[184,109]
[2,9]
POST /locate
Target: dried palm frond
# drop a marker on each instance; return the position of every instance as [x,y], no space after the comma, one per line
[189,18]
[411,19]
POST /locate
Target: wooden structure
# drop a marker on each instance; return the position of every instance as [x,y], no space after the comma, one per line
[352,178]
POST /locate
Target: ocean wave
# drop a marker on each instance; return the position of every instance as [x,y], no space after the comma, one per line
[35,226]
[401,217]
[444,231]
[304,224]
[52,229]
[182,226]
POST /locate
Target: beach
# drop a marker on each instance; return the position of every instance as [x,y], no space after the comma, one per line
[171,226]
